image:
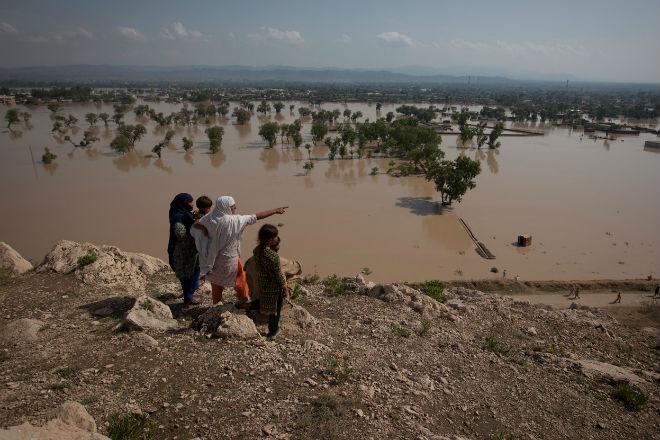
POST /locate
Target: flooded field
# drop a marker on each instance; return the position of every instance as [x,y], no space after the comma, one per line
[590,205]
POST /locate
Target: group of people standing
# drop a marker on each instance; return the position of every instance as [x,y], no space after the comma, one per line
[205,245]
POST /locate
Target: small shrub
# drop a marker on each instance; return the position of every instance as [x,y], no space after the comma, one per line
[296,291]
[494,269]
[87,259]
[325,406]
[399,330]
[366,271]
[147,305]
[425,327]
[48,156]
[311,278]
[374,170]
[552,349]
[435,289]
[131,426]
[633,398]
[491,343]
[339,370]
[66,372]
[333,285]
[88,400]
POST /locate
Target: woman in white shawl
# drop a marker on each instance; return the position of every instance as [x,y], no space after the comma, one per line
[223,267]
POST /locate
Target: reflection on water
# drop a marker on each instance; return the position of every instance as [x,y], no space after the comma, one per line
[342,218]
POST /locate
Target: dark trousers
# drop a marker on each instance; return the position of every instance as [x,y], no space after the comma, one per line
[274,319]
[190,285]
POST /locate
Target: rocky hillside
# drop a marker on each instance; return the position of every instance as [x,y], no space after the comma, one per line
[107,329]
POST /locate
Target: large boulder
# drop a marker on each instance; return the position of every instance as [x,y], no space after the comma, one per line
[148,314]
[225,321]
[296,320]
[11,261]
[423,304]
[102,265]
[73,422]
[21,330]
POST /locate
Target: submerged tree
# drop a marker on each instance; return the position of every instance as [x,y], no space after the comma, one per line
[48,157]
[187,143]
[333,147]
[88,138]
[319,130]
[263,108]
[54,107]
[215,137]
[132,132]
[481,135]
[91,118]
[494,135]
[104,117]
[169,135]
[278,106]
[121,144]
[378,107]
[268,132]
[26,116]
[11,117]
[453,178]
[242,116]
[158,148]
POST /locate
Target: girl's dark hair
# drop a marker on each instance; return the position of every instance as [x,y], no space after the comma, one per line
[267,232]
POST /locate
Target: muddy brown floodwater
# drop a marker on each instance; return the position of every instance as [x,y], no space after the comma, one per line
[591,206]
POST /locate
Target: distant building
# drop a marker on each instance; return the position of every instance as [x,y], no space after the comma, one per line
[7,100]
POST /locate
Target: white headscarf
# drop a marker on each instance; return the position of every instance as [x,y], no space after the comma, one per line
[225,230]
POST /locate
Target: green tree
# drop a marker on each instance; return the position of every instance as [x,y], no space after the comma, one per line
[54,107]
[48,157]
[347,113]
[284,131]
[132,132]
[215,137]
[389,117]
[494,135]
[308,147]
[242,116]
[355,116]
[11,117]
[268,132]
[263,108]
[333,147]
[453,178]
[118,117]
[378,107]
[104,117]
[91,118]
[158,148]
[223,110]
[187,143]
[88,138]
[319,130]
[291,107]
[481,135]
[71,120]
[419,146]
[169,135]
[278,107]
[121,144]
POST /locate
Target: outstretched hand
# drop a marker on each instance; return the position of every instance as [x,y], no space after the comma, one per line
[281,210]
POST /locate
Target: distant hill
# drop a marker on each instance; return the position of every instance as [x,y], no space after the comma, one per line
[107,74]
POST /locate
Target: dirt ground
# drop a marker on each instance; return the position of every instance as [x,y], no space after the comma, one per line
[501,366]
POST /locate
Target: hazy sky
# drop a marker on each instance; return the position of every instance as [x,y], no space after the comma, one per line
[591,39]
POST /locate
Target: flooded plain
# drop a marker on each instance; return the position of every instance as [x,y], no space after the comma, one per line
[591,206]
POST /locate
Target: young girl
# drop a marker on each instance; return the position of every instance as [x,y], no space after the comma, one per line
[271,279]
[223,266]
